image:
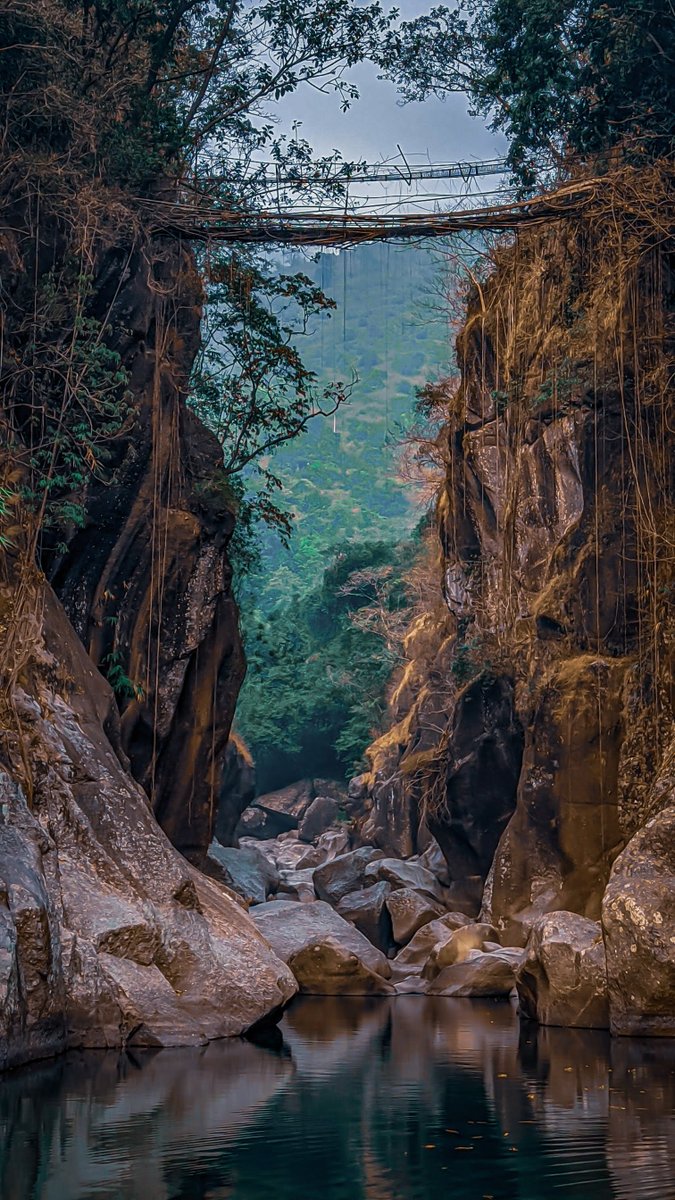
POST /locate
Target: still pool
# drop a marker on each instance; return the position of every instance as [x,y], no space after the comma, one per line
[406,1099]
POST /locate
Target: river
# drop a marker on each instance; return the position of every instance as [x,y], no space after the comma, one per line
[406,1099]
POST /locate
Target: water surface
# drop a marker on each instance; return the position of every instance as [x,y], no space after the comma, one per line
[413,1098]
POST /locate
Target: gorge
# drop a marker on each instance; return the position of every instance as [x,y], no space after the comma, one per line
[494,877]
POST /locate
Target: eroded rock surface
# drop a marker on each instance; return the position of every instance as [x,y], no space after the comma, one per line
[638,918]
[563,977]
[290,928]
[109,937]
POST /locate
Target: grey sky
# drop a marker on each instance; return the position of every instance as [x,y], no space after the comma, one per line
[435,130]
[377,122]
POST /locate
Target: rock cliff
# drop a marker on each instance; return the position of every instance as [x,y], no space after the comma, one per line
[109,935]
[143,572]
[531,722]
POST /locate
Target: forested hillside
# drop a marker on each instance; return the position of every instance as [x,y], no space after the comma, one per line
[340,478]
[314,693]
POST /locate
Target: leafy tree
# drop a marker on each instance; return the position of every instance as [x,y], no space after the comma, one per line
[315,689]
[559,77]
[113,110]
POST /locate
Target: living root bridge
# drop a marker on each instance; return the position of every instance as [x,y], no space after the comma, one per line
[197,221]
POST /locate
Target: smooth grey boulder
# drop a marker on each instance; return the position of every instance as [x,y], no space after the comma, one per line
[344,874]
[320,817]
[409,911]
[461,944]
[367,910]
[638,918]
[562,979]
[247,871]
[329,968]
[290,927]
[402,874]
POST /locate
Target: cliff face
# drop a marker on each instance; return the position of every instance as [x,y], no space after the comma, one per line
[146,580]
[536,707]
[109,935]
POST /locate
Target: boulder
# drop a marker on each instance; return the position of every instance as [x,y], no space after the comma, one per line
[247,871]
[433,860]
[107,933]
[367,910]
[334,788]
[320,816]
[298,884]
[344,874]
[328,968]
[291,927]
[284,851]
[328,846]
[409,911]
[638,918]
[412,959]
[562,979]
[401,874]
[479,974]
[461,944]
[262,824]
[291,802]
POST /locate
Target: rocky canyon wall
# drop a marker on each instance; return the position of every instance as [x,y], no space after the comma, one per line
[109,935]
[532,719]
[143,572]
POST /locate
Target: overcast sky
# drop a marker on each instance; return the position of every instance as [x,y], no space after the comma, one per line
[374,125]
[436,131]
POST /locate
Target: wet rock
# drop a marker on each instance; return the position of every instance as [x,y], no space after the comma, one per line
[401,874]
[457,948]
[344,874]
[556,853]
[563,977]
[291,927]
[638,918]
[409,911]
[247,871]
[328,847]
[481,777]
[322,813]
[329,968]
[367,909]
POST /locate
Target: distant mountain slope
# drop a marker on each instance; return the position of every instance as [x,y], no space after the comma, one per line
[340,478]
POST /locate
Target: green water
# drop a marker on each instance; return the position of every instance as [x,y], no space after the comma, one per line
[403,1099]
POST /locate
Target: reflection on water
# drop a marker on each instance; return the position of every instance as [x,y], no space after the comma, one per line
[407,1099]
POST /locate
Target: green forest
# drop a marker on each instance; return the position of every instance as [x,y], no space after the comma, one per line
[314,691]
